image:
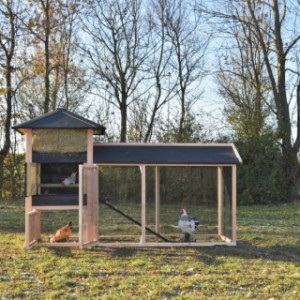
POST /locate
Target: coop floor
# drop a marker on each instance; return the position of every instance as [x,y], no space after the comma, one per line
[117,230]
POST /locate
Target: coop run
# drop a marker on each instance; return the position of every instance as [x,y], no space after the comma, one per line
[125,195]
[143,186]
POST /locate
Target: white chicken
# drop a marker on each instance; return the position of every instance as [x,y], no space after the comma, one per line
[69,180]
[187,226]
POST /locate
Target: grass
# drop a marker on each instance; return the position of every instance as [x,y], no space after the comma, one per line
[264,265]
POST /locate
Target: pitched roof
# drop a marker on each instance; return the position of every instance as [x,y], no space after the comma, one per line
[60,119]
[166,154]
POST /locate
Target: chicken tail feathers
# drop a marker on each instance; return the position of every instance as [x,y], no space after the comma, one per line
[196,222]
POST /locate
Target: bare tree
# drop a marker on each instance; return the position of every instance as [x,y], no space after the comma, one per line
[51,68]
[274,25]
[8,41]
[183,31]
[117,52]
[242,82]
[161,90]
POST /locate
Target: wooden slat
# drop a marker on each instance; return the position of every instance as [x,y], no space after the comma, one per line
[90,147]
[32,229]
[163,245]
[161,165]
[57,185]
[220,200]
[143,204]
[63,244]
[57,207]
[28,145]
[157,199]
[234,237]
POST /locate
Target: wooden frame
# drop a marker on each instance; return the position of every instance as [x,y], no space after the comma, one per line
[228,241]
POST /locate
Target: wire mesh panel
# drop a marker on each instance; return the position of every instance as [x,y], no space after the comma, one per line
[195,190]
[168,188]
[120,204]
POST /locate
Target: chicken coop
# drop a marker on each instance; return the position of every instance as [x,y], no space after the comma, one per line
[123,194]
[59,152]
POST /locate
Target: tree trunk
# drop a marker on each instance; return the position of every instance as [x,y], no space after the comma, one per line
[5,149]
[9,53]
[123,109]
[47,58]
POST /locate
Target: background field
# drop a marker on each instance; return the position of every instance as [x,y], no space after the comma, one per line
[264,265]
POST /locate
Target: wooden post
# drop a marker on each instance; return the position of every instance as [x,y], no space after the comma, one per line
[90,147]
[157,199]
[81,194]
[92,204]
[28,159]
[220,201]
[143,204]
[234,204]
[27,231]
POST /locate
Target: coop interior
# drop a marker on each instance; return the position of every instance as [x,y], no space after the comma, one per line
[194,188]
[52,190]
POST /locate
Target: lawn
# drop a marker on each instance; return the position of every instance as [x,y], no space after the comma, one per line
[264,265]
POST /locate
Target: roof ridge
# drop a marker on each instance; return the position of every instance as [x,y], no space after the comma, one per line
[60,119]
[80,118]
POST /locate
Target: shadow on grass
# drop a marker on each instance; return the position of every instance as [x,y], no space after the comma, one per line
[209,255]
[62,252]
[123,252]
[247,250]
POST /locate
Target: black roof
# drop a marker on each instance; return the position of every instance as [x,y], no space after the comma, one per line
[61,119]
[165,154]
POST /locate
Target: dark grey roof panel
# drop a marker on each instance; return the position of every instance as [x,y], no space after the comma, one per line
[61,119]
[155,154]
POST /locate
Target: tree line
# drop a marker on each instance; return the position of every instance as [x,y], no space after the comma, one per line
[139,67]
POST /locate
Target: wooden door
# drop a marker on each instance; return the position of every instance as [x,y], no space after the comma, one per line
[88,205]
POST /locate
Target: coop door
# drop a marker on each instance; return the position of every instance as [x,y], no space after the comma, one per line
[88,205]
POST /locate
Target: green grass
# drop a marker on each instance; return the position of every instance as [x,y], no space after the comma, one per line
[264,265]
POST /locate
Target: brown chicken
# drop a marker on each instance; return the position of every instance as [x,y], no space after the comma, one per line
[62,233]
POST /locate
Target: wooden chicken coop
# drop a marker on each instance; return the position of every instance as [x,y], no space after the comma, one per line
[61,143]
[58,144]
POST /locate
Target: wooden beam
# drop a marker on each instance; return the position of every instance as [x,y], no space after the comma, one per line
[90,147]
[220,200]
[28,145]
[27,230]
[61,245]
[157,199]
[81,190]
[234,237]
[59,185]
[164,245]
[143,204]
[38,224]
[56,207]
[32,230]
[28,159]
